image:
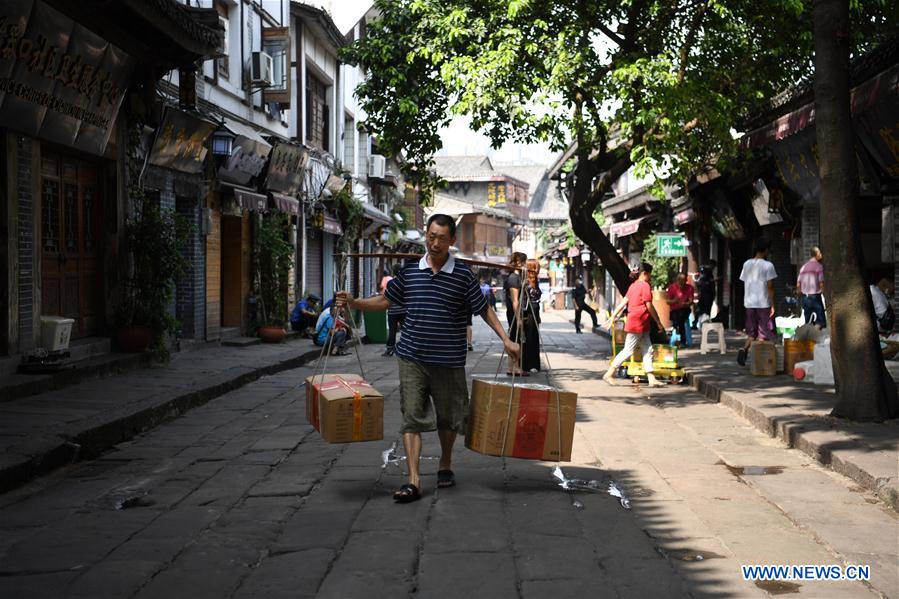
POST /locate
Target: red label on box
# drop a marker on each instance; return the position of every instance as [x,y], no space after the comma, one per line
[530,428]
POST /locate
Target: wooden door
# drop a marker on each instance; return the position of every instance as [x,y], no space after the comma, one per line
[71,205]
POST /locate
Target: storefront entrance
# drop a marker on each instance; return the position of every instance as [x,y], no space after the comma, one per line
[71,239]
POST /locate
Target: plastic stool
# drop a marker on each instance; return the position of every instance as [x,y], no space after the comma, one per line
[712,327]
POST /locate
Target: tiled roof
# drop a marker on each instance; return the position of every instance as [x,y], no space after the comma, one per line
[188,19]
[531,174]
[553,207]
[464,168]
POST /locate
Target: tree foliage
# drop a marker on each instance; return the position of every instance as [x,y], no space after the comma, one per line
[654,84]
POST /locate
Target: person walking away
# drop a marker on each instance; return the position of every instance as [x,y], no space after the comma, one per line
[438,293]
[680,298]
[329,327]
[810,284]
[511,292]
[638,301]
[487,290]
[395,315]
[303,316]
[579,295]
[758,276]
[530,319]
[880,296]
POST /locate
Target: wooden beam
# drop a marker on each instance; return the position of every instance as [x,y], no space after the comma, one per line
[418,257]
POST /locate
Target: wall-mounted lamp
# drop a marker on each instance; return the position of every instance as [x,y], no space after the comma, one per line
[222,141]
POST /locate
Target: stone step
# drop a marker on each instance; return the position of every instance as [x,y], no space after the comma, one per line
[241,341]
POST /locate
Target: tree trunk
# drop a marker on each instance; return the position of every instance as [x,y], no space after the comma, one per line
[864,388]
[583,204]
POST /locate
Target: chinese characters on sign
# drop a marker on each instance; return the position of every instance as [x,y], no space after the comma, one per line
[58,80]
[285,169]
[180,142]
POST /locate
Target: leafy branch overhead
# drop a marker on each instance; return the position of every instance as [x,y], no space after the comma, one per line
[657,85]
[671,75]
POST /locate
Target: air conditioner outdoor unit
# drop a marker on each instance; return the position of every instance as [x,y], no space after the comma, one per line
[377,165]
[261,71]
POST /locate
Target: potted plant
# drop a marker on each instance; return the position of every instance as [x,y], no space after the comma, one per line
[153,238]
[275,259]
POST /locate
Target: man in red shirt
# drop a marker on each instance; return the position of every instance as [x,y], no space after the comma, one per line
[639,309]
[680,298]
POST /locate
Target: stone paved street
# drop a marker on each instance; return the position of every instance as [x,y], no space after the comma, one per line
[241,498]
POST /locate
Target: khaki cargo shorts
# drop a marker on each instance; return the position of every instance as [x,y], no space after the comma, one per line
[422,385]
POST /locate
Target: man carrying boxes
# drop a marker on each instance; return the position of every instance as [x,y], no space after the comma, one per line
[439,293]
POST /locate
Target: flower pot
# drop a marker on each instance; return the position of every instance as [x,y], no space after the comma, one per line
[134,338]
[272,334]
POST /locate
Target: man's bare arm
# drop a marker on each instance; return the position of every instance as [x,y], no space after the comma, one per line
[368,304]
[489,316]
[655,315]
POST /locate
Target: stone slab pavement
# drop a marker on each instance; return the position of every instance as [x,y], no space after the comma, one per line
[241,498]
[797,413]
[54,428]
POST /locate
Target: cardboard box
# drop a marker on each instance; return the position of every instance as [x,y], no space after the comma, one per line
[763,358]
[531,430]
[344,408]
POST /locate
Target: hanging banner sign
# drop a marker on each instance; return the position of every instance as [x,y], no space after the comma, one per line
[59,81]
[286,165]
[180,142]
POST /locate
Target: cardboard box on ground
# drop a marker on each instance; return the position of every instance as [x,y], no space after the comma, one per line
[344,408]
[521,421]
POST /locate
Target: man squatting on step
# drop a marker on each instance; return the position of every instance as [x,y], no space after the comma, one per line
[439,294]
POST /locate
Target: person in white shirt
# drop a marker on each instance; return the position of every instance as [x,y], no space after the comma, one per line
[880,295]
[758,298]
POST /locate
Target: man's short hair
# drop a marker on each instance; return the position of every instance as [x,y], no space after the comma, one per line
[443,220]
[519,257]
[814,251]
[646,267]
[761,245]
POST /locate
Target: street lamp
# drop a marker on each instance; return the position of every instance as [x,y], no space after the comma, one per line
[222,141]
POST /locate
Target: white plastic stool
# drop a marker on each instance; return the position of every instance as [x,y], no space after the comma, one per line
[712,327]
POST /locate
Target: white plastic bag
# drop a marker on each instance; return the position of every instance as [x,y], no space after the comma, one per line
[823,367]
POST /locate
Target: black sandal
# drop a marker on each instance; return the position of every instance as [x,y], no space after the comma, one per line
[445,479]
[407,494]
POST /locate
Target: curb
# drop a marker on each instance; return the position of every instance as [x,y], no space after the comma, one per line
[101,435]
[792,434]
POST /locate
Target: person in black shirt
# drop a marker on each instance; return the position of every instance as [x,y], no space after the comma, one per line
[706,285]
[579,295]
[512,293]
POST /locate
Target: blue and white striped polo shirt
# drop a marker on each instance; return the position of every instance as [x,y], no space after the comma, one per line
[437,309]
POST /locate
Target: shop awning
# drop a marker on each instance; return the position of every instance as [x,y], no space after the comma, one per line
[248,200]
[375,215]
[285,204]
[684,216]
[627,227]
[332,226]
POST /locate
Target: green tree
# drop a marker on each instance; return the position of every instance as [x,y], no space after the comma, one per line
[655,84]
[651,84]
[864,388]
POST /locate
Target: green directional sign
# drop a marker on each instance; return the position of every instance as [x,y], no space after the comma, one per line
[670,245]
